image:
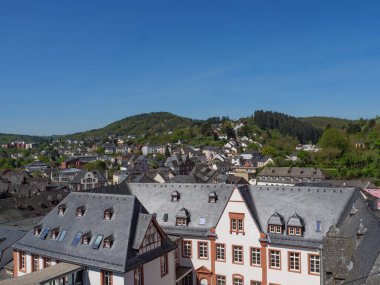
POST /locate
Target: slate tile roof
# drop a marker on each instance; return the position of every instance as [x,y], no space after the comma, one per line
[128,225]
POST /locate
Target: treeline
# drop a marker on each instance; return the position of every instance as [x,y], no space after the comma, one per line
[287,125]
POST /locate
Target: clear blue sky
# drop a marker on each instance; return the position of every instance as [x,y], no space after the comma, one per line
[67,66]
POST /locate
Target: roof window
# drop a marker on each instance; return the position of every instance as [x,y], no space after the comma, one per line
[86,238]
[108,214]
[175,196]
[80,211]
[44,233]
[97,242]
[212,197]
[61,210]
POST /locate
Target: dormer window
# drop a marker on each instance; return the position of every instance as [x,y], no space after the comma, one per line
[61,210]
[86,238]
[182,217]
[108,242]
[276,224]
[294,231]
[175,196]
[37,230]
[295,225]
[54,233]
[81,211]
[108,214]
[212,197]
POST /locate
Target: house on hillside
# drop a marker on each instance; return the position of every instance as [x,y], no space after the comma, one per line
[289,175]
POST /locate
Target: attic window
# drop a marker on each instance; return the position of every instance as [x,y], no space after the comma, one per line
[182,217]
[212,197]
[165,217]
[44,233]
[80,211]
[175,196]
[276,224]
[295,231]
[86,238]
[37,230]
[61,210]
[108,242]
[318,226]
[108,214]
[54,233]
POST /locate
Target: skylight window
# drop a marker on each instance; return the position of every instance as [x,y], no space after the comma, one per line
[165,217]
[62,235]
[202,221]
[97,242]
[318,226]
[44,233]
[77,239]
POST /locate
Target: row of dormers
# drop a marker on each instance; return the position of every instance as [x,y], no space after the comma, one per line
[80,212]
[212,197]
[85,239]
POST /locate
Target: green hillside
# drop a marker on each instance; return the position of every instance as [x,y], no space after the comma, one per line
[143,124]
[323,122]
[7,138]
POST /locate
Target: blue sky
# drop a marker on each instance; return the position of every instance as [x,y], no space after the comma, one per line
[68,66]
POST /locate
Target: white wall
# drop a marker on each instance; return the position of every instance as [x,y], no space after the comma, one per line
[249,239]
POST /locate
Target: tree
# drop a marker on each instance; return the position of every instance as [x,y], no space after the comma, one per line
[333,138]
[167,151]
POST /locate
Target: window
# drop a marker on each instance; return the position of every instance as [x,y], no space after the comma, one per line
[139,276]
[47,262]
[255,256]
[62,235]
[318,226]
[107,215]
[202,250]
[237,253]
[54,233]
[44,233]
[294,231]
[314,264]
[108,242]
[37,230]
[22,261]
[236,223]
[186,248]
[76,239]
[164,265]
[274,229]
[220,280]
[97,242]
[220,252]
[35,263]
[237,280]
[294,261]
[106,277]
[181,222]
[275,259]
[61,210]
[80,212]
[255,283]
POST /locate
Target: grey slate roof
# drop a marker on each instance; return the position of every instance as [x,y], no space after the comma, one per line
[193,197]
[297,172]
[307,202]
[128,226]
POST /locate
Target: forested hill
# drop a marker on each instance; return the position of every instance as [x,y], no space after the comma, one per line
[143,124]
[324,122]
[287,125]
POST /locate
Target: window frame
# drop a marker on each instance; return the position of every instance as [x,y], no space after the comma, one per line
[239,277]
[183,248]
[224,252]
[251,249]
[22,261]
[35,258]
[235,218]
[310,255]
[224,280]
[164,265]
[140,270]
[104,275]
[202,243]
[290,262]
[270,259]
[234,246]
